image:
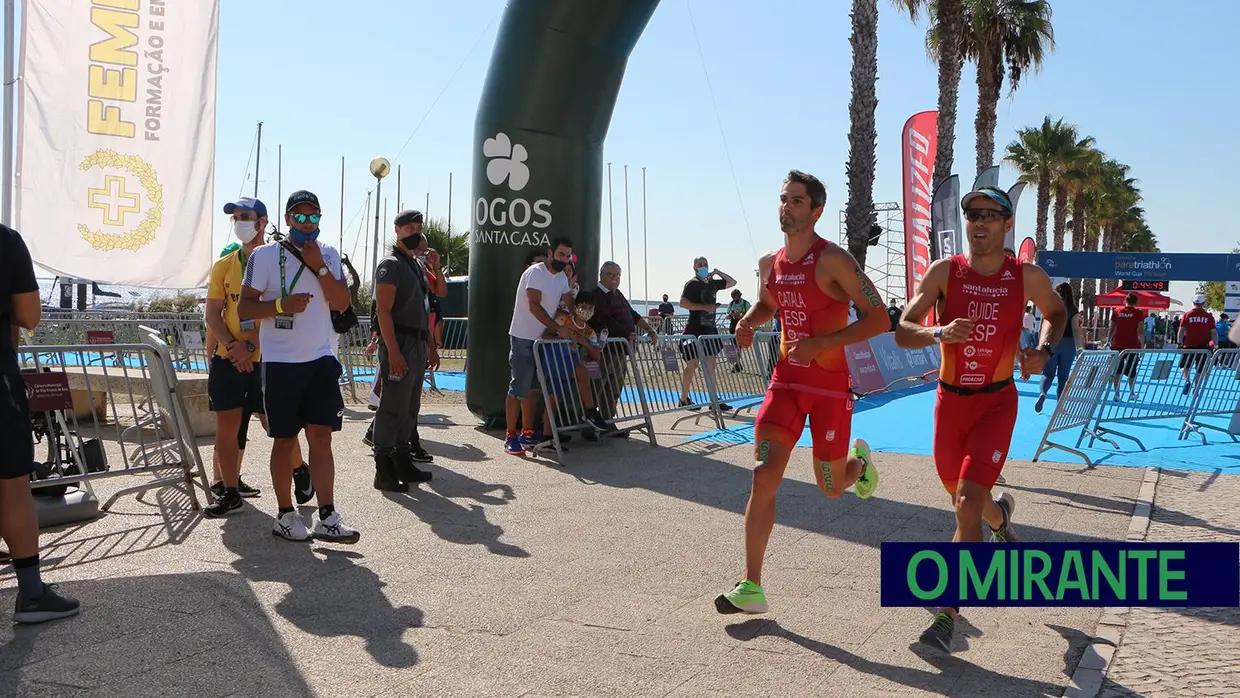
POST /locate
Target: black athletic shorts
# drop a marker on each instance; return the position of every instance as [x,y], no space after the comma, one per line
[709,349]
[1199,359]
[17,454]
[295,395]
[1128,365]
[230,389]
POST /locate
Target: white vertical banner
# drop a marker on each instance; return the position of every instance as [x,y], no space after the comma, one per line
[116,139]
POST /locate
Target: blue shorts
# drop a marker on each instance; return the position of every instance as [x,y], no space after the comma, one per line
[559,361]
[521,365]
[295,395]
[230,389]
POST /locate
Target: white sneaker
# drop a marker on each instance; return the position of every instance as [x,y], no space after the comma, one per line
[332,529]
[292,527]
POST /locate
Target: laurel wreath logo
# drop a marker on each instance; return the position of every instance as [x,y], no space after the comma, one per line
[149,179]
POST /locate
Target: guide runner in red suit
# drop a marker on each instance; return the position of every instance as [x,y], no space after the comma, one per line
[979,298]
[809,283]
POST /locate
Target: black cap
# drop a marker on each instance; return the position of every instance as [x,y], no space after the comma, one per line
[302,197]
[408,216]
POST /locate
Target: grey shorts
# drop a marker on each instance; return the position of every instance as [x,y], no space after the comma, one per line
[521,363]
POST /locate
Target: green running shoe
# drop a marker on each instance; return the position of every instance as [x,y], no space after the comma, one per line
[745,597]
[1005,533]
[939,634]
[868,482]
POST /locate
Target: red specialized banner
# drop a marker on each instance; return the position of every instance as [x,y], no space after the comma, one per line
[1028,251]
[918,144]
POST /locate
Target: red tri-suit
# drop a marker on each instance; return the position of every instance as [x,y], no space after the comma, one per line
[820,390]
[975,410]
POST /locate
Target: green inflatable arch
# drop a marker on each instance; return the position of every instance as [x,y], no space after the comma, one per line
[538,160]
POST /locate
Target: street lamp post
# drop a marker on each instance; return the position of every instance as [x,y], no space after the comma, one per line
[380,168]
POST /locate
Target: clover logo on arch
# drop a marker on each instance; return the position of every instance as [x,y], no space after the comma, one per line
[506,162]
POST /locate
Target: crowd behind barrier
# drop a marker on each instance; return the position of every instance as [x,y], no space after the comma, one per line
[633,382]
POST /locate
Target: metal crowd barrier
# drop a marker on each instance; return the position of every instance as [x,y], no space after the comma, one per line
[741,376]
[93,413]
[1091,378]
[573,380]
[1217,395]
[184,335]
[664,370]
[1161,392]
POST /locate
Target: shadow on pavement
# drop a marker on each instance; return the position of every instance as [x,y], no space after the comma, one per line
[180,634]
[328,595]
[954,676]
[456,523]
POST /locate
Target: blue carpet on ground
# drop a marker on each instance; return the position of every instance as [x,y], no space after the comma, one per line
[903,422]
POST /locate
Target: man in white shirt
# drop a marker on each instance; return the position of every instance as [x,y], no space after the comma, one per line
[293,286]
[543,287]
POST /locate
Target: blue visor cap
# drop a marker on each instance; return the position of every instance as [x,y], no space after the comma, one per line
[994,195]
[246,203]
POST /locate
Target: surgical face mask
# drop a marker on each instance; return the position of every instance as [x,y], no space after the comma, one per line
[703,272]
[585,314]
[558,265]
[245,231]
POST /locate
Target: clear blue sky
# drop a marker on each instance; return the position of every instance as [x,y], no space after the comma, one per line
[1148,81]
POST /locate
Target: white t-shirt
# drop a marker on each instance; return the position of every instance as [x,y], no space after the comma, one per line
[553,286]
[312,336]
[1030,322]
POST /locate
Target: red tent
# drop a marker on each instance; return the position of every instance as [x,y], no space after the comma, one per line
[1145,299]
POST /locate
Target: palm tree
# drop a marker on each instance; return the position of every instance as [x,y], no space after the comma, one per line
[453,248]
[1042,155]
[862,132]
[1078,180]
[943,45]
[1005,38]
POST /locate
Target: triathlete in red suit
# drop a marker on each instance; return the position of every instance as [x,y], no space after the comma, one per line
[980,299]
[810,283]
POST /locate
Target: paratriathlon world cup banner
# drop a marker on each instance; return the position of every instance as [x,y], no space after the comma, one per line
[116,141]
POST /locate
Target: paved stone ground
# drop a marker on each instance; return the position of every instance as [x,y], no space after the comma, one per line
[1183,651]
[512,577]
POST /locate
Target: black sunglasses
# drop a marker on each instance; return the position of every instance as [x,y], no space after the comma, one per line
[975,215]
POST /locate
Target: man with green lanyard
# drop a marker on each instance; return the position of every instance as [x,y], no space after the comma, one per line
[736,310]
[300,373]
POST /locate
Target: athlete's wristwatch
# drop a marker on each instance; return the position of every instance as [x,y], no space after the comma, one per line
[1050,350]
[249,346]
[938,334]
[322,271]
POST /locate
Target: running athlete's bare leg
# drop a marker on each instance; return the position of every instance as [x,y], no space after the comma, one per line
[835,477]
[770,461]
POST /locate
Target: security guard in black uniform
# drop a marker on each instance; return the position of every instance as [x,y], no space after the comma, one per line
[406,350]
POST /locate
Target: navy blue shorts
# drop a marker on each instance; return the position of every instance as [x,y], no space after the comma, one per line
[230,389]
[296,395]
[17,456]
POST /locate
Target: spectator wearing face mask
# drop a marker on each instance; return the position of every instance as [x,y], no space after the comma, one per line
[564,367]
[292,287]
[666,311]
[699,297]
[406,349]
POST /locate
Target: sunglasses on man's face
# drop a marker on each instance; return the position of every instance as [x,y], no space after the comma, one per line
[984,215]
[307,217]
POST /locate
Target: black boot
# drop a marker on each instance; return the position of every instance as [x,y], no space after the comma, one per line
[408,471]
[386,477]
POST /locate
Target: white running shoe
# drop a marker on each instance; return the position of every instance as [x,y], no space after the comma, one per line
[292,527]
[333,530]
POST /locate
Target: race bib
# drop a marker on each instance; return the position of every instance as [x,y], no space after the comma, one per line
[247,326]
[730,353]
[593,369]
[284,322]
